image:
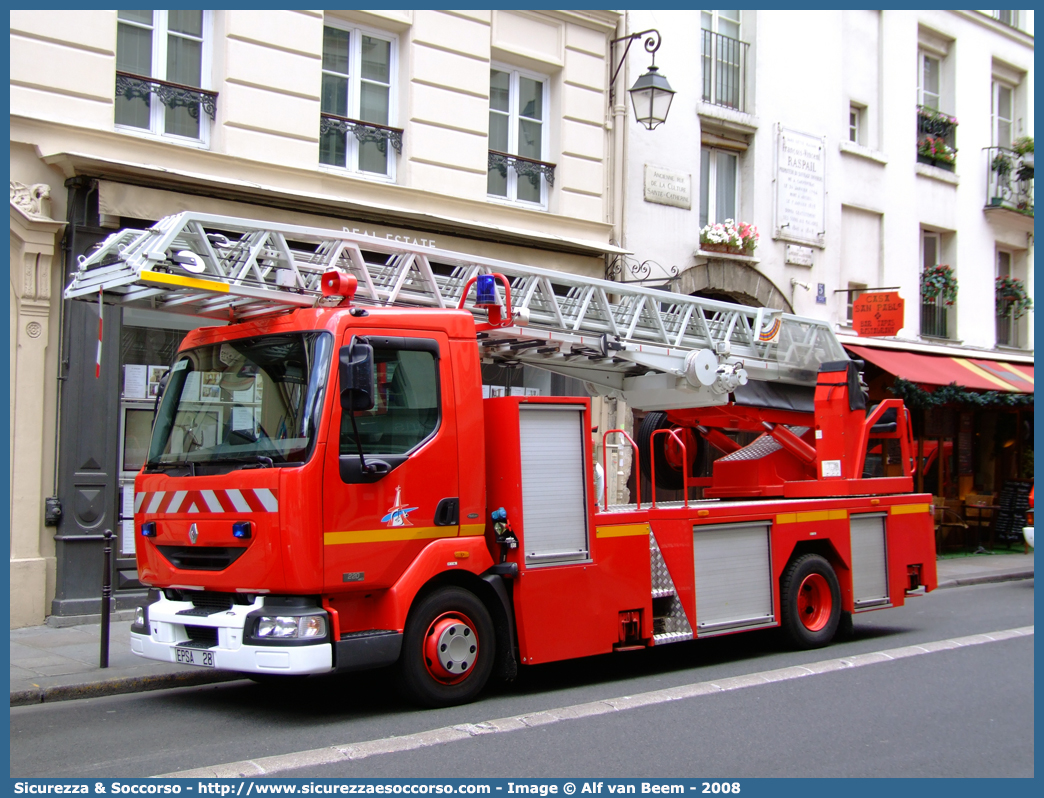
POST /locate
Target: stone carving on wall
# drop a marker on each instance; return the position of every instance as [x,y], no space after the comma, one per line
[29,199]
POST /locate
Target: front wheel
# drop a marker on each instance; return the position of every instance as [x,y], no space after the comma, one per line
[811,599]
[447,649]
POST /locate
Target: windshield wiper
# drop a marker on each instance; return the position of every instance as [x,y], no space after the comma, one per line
[189,464]
[251,461]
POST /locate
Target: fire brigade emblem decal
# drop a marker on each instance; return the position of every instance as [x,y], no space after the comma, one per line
[398,515]
[193,534]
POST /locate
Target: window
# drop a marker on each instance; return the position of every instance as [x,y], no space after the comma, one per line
[857,123]
[358,101]
[1007,326]
[406,400]
[161,61]
[723,57]
[855,290]
[934,312]
[1007,17]
[718,185]
[518,137]
[1002,108]
[929,83]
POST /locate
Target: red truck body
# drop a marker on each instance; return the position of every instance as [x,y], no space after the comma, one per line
[342,569]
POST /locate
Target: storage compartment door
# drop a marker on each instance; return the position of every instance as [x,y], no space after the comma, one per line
[733,577]
[554,504]
[869,560]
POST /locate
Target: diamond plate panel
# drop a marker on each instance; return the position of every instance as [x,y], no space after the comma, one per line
[673,626]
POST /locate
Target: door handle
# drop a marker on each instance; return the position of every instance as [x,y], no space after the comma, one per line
[448,513]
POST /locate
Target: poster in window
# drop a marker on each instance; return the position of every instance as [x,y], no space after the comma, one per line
[210,387]
[135,382]
[155,375]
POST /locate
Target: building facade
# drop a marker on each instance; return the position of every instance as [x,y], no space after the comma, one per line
[478,131]
[886,150]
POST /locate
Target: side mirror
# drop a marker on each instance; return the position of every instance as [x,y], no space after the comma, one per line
[356,376]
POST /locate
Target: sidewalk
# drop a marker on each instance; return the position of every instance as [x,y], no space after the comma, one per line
[60,663]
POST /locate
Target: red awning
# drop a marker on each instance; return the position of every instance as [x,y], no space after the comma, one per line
[971,373]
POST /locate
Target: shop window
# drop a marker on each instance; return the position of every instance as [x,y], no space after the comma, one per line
[358,102]
[719,185]
[162,65]
[518,137]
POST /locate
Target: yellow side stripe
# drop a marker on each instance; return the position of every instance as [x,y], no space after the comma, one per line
[812,515]
[906,509]
[622,531]
[184,282]
[389,534]
[981,372]
[1021,374]
[470,530]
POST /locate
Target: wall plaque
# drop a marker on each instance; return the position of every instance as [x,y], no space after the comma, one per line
[666,187]
[799,256]
[800,187]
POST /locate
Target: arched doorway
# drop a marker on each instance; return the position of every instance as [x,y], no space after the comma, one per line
[732,281]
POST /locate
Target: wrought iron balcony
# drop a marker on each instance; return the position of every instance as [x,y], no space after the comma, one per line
[522,166]
[1009,180]
[936,138]
[1007,331]
[172,95]
[724,70]
[934,317]
[381,135]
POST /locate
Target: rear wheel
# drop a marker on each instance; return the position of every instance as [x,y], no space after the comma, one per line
[670,462]
[811,599]
[447,649]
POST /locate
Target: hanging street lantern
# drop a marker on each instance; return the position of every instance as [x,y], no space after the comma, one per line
[651,94]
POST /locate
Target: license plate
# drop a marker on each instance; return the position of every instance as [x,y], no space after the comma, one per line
[194,656]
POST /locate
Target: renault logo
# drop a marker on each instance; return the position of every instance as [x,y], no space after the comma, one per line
[193,533]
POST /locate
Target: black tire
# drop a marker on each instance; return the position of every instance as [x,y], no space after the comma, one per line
[845,627]
[667,476]
[811,599]
[456,617]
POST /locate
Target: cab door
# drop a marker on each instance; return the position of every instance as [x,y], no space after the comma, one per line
[377,519]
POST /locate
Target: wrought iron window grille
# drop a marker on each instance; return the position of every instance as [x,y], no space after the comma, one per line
[523,166]
[381,135]
[724,70]
[172,95]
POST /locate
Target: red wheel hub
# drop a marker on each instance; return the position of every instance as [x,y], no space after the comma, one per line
[672,451]
[450,648]
[814,602]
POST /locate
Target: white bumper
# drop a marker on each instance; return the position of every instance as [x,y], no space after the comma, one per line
[1027,532]
[167,631]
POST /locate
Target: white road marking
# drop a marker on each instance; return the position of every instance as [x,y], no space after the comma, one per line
[281,763]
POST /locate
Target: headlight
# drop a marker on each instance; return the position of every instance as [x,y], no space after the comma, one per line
[139,616]
[291,626]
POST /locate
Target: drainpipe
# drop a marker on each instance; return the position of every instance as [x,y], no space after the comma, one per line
[619,128]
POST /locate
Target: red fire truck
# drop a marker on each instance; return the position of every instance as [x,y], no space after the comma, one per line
[327,489]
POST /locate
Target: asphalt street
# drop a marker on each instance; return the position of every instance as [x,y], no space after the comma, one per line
[965,712]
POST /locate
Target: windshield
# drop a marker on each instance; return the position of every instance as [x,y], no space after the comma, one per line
[248,401]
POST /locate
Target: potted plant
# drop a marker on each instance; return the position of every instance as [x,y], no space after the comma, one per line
[939,282]
[729,236]
[1002,164]
[1012,299]
[935,151]
[1023,147]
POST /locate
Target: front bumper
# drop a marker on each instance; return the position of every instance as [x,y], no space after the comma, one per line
[167,630]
